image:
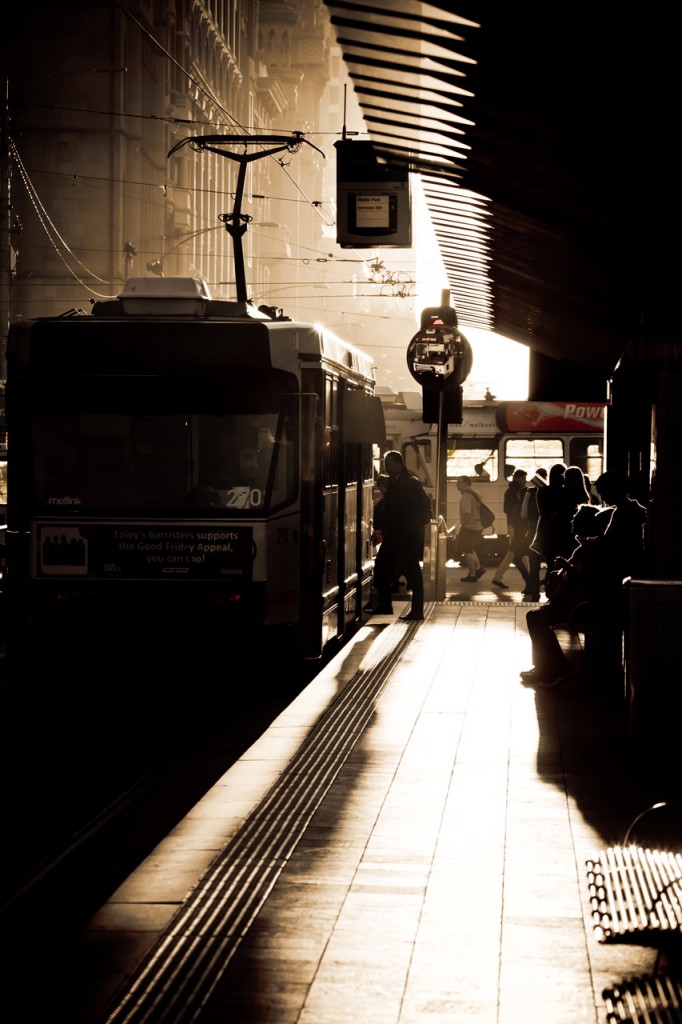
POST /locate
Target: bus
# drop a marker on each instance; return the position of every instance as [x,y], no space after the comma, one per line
[494,439]
[192,459]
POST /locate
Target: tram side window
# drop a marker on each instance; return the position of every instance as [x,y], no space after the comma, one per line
[529,453]
[588,453]
[418,456]
[331,433]
[282,453]
[466,454]
[653,448]
[367,463]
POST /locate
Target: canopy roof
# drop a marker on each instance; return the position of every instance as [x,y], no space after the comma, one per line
[544,138]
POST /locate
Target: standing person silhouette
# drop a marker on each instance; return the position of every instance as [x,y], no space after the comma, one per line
[575,493]
[378,528]
[546,543]
[406,511]
[516,529]
[529,516]
[470,530]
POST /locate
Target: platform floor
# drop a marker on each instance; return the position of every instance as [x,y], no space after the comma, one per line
[405,845]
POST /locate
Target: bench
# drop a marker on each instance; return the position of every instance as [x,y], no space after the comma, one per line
[636,896]
[656,999]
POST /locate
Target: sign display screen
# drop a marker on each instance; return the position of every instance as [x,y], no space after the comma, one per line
[372,212]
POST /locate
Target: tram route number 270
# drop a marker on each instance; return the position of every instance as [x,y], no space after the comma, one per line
[244,497]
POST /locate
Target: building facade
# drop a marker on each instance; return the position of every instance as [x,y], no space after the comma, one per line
[98,95]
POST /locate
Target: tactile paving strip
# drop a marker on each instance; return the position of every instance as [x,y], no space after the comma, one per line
[656,999]
[634,891]
[177,976]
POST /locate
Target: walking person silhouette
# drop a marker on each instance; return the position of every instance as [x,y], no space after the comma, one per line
[406,511]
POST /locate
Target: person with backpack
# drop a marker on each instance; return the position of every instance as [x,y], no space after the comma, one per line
[470,530]
[406,511]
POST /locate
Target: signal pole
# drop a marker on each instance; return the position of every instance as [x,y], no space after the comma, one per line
[439,358]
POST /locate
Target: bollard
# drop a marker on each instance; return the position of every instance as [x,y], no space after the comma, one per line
[435,543]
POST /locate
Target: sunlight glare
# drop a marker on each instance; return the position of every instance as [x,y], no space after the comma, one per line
[500,365]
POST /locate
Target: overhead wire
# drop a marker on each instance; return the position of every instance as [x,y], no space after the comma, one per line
[320,257]
[52,233]
[50,228]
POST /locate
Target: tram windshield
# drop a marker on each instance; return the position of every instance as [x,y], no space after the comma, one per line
[239,462]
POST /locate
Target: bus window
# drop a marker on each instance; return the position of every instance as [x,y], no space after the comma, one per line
[588,453]
[530,453]
[469,452]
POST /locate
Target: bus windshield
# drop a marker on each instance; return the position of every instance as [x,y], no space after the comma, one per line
[238,462]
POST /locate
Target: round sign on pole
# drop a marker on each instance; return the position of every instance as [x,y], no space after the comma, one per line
[439,357]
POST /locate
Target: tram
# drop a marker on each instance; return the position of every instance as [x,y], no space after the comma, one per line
[192,459]
[493,439]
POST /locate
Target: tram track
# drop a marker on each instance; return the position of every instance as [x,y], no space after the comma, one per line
[90,829]
[137,785]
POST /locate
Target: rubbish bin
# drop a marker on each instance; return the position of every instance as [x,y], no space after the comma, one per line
[653,656]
